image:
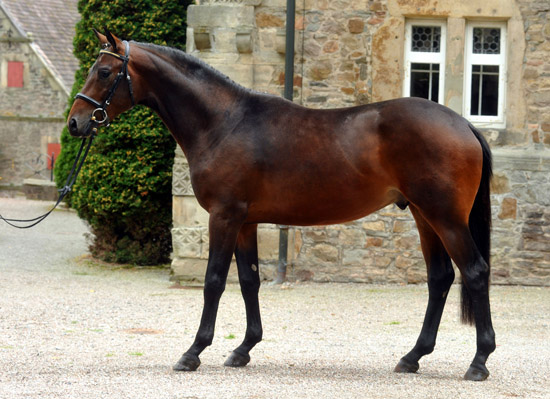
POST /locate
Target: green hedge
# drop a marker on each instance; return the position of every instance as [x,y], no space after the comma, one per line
[124,188]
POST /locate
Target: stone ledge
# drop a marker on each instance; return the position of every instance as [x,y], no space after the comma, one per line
[238,2]
[37,189]
[187,269]
[521,159]
[223,15]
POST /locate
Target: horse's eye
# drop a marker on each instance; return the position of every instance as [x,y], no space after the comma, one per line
[104,73]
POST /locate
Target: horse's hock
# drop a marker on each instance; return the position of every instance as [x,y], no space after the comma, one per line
[352,53]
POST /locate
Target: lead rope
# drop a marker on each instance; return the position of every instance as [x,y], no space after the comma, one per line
[75,170]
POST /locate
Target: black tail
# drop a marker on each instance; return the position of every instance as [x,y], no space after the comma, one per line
[480,222]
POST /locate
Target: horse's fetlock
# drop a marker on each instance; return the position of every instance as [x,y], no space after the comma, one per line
[204,339]
[255,335]
[425,348]
[487,342]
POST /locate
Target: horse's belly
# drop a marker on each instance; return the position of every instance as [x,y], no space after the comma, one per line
[320,207]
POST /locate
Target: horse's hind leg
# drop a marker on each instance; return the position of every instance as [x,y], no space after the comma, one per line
[454,231]
[246,254]
[475,277]
[440,277]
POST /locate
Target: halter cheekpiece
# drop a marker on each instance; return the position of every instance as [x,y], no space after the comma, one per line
[99,115]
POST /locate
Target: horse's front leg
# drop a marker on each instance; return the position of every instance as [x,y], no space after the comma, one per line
[223,229]
[246,254]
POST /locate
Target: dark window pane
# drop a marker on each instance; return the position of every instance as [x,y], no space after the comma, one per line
[474,104]
[420,84]
[435,87]
[489,105]
[425,81]
[484,90]
[426,39]
[415,66]
[490,69]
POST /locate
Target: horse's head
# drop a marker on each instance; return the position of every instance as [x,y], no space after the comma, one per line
[108,89]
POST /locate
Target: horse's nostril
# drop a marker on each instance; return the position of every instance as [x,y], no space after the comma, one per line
[73,126]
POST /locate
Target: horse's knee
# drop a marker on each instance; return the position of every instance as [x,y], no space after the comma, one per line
[214,284]
[249,280]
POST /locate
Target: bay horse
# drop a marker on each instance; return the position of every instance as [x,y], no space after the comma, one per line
[257,158]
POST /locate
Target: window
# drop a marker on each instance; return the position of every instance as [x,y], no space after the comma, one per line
[425,59]
[15,74]
[485,73]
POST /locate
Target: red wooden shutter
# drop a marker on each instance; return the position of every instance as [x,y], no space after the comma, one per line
[53,149]
[15,74]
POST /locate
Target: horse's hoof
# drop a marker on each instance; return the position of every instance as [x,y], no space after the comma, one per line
[404,366]
[477,373]
[187,363]
[237,360]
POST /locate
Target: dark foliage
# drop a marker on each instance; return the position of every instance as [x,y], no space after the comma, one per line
[124,189]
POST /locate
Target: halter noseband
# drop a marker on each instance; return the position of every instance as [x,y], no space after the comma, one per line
[101,108]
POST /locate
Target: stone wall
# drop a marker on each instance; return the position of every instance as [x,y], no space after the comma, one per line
[25,146]
[351,52]
[31,116]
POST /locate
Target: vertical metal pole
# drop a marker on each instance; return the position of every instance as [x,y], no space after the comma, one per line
[289,49]
[283,252]
[51,166]
[288,94]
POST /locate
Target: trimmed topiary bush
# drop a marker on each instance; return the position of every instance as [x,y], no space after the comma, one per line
[124,188]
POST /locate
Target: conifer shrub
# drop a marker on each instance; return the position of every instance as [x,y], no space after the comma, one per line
[124,188]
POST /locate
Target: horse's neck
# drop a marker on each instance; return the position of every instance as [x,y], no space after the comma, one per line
[192,103]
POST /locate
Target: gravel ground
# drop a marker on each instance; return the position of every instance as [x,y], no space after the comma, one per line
[73,328]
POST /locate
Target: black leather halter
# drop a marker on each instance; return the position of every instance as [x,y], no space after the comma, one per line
[102,107]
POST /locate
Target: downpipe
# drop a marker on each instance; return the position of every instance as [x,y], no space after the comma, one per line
[288,94]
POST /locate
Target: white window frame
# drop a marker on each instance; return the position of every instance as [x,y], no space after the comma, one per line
[488,121]
[424,57]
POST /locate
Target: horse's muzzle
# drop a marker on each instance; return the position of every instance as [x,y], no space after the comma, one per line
[80,130]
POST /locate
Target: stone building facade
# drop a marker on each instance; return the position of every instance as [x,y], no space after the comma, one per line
[355,52]
[36,76]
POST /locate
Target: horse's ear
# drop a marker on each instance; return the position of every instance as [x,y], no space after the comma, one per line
[102,39]
[111,38]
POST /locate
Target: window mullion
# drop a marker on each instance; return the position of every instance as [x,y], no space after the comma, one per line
[480,92]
